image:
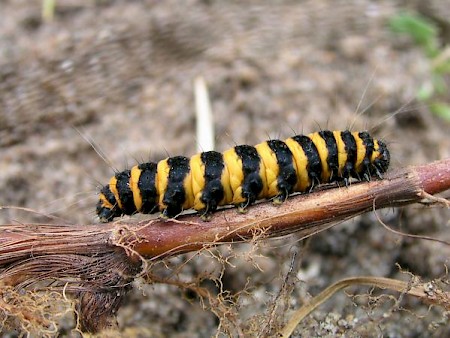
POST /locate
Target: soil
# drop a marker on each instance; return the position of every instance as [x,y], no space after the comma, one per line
[107,84]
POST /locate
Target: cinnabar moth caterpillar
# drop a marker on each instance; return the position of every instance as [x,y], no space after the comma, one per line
[243,174]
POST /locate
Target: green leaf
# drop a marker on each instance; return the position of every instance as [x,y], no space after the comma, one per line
[443,68]
[425,91]
[441,109]
[439,84]
[418,28]
[441,63]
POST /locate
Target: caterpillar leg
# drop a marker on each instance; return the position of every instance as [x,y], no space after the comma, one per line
[173,199]
[315,181]
[171,212]
[378,174]
[212,194]
[286,182]
[251,188]
[281,197]
[242,207]
[378,168]
[346,181]
[206,213]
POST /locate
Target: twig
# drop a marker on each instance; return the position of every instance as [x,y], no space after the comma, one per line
[424,291]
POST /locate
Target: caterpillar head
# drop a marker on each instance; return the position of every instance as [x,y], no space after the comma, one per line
[107,207]
[380,158]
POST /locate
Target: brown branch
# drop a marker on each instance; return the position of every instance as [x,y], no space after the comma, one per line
[305,214]
[95,261]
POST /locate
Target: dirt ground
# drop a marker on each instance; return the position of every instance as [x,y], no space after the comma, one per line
[120,75]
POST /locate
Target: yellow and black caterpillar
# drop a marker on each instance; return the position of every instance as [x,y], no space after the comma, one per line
[243,174]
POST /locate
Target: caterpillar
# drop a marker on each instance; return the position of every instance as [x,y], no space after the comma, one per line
[243,174]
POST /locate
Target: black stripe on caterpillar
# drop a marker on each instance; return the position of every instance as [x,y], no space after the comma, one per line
[243,174]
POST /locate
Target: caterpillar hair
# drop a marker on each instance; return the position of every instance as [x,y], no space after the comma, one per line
[243,174]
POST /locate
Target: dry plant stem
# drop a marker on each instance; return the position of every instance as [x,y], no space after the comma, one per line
[424,292]
[24,241]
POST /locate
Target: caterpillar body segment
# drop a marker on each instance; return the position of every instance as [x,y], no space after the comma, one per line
[311,164]
[243,174]
[209,179]
[142,184]
[281,177]
[174,185]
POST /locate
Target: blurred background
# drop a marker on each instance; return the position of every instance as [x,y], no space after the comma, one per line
[117,77]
